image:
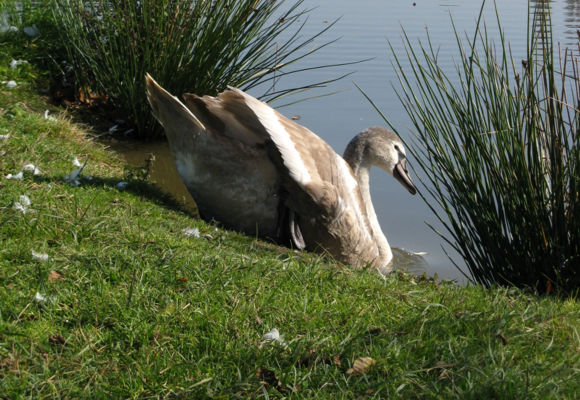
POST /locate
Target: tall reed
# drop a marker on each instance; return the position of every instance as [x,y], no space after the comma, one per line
[501,155]
[187,45]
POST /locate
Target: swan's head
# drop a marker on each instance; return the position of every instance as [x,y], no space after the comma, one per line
[383,148]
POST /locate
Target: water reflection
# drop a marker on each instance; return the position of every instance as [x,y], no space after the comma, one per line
[572,22]
[565,16]
[410,262]
[163,171]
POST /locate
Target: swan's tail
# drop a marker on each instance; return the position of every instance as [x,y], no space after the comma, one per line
[170,112]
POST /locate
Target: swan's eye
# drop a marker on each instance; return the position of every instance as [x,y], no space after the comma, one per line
[398,148]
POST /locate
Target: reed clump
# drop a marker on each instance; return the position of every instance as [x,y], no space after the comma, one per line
[501,154]
[189,46]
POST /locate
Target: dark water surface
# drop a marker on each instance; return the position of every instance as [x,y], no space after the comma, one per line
[365,27]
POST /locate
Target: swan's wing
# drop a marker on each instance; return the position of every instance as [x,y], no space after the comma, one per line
[221,115]
[169,111]
[227,115]
[303,153]
[320,184]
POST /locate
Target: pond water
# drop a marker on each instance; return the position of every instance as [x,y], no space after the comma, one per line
[365,27]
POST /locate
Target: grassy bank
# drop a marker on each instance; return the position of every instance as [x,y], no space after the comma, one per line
[128,306]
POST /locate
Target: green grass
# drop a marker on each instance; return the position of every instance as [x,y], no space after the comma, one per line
[135,309]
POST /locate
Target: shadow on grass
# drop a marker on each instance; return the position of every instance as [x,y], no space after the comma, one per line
[151,192]
[145,190]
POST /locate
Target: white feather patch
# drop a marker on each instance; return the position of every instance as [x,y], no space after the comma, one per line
[345,172]
[281,138]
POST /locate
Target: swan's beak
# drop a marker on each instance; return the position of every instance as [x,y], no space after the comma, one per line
[402,175]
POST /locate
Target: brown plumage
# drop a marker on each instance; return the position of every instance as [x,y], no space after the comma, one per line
[256,171]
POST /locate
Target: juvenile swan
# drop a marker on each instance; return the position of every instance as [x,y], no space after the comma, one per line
[256,171]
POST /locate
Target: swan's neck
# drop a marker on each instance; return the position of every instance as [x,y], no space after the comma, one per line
[362,172]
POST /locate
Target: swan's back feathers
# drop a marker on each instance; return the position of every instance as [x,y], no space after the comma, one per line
[200,108]
[228,115]
[224,115]
[241,117]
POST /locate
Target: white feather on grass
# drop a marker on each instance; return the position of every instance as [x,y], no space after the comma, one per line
[274,335]
[15,63]
[73,177]
[191,232]
[48,117]
[40,298]
[39,256]
[27,168]
[17,176]
[31,168]
[23,204]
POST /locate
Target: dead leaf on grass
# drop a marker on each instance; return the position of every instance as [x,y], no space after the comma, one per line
[268,378]
[313,356]
[443,369]
[503,338]
[442,365]
[8,364]
[55,276]
[57,339]
[361,365]
[307,359]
